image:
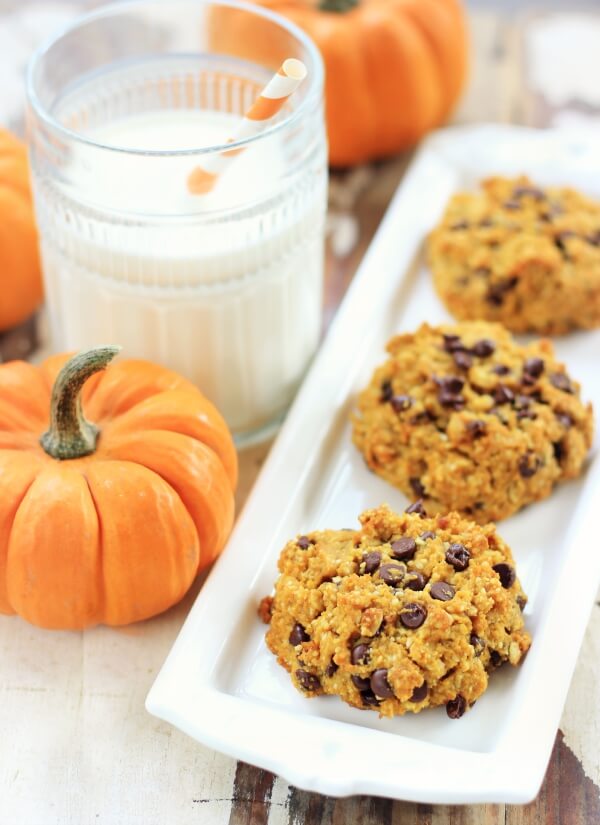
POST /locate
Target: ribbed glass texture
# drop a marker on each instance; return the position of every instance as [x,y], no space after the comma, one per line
[225,290]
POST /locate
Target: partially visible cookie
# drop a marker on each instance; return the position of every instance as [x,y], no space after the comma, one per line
[465,418]
[516,253]
[407,613]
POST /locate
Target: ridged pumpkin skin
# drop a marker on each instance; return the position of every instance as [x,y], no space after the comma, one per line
[118,535]
[20,273]
[393,68]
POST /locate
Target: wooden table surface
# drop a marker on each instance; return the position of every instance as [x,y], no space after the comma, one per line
[76,745]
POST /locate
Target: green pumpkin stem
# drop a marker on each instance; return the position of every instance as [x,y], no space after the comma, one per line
[338,6]
[70,435]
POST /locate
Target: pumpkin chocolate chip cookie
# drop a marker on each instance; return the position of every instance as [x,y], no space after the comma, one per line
[519,254]
[406,613]
[466,419]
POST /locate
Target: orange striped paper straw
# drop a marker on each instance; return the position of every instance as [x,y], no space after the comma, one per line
[269,102]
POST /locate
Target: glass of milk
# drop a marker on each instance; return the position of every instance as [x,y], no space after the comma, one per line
[224,288]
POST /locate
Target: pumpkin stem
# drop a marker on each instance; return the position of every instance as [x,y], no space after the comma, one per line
[339,6]
[70,434]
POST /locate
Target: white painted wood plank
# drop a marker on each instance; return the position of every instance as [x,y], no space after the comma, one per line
[76,744]
[581,719]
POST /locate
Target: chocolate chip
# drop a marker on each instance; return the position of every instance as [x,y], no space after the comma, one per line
[593,239]
[521,414]
[400,403]
[420,693]
[308,680]
[448,399]
[564,419]
[456,707]
[500,369]
[497,291]
[380,685]
[484,348]
[298,635]
[417,487]
[369,698]
[331,669]
[512,205]
[361,683]
[558,450]
[521,602]
[372,561]
[458,556]
[392,574]
[521,402]
[528,465]
[475,427]
[422,417]
[449,391]
[415,580]
[529,191]
[428,534]
[386,391]
[303,542]
[404,548]
[360,654]
[507,574]
[452,343]
[442,591]
[495,658]
[478,643]
[462,359]
[503,394]
[533,367]
[450,383]
[459,225]
[561,237]
[417,507]
[561,382]
[413,615]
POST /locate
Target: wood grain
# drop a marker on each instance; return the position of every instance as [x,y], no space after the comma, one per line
[76,745]
[567,797]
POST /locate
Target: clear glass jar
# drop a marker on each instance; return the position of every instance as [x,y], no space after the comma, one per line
[224,288]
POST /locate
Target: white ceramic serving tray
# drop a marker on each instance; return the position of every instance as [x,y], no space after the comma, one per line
[221,685]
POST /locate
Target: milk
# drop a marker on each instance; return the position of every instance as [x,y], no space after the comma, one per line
[224,288]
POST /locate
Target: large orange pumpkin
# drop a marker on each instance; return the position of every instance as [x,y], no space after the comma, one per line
[111,521]
[20,273]
[393,68]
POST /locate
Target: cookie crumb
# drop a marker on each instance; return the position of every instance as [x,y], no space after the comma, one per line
[265,609]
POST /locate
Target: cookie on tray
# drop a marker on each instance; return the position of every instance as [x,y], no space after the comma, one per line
[467,419]
[516,253]
[406,613]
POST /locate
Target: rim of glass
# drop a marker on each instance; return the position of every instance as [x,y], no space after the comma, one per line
[315,81]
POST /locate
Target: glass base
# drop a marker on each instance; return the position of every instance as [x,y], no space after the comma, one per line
[251,438]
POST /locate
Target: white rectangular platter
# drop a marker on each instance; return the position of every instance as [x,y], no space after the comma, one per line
[222,686]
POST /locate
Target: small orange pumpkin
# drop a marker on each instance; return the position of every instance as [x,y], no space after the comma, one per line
[20,273]
[107,522]
[393,68]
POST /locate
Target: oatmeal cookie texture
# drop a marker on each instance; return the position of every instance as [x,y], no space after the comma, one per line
[466,419]
[519,254]
[408,612]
